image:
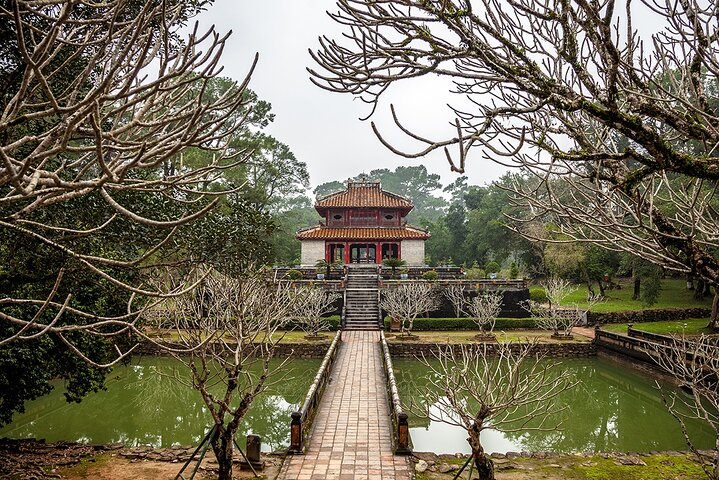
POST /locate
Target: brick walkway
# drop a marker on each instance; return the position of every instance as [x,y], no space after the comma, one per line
[351,438]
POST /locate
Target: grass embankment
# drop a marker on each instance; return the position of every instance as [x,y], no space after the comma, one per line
[674,294]
[691,326]
[659,466]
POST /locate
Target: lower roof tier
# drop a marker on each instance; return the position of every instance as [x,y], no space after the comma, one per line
[321,232]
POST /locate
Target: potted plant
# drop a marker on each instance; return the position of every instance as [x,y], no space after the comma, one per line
[394,264]
[323,269]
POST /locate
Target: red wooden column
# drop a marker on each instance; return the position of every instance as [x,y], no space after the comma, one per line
[347,253]
[378,253]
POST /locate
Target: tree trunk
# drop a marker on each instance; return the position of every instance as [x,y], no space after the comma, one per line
[699,291]
[714,321]
[590,288]
[690,282]
[637,288]
[484,465]
[223,447]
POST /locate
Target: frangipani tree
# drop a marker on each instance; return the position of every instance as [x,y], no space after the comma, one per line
[694,362]
[504,387]
[554,316]
[484,309]
[407,301]
[457,296]
[229,326]
[609,108]
[312,304]
[97,99]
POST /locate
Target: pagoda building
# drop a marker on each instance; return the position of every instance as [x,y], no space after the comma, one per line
[363,224]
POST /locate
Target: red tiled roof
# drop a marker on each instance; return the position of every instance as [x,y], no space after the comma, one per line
[362,233]
[364,194]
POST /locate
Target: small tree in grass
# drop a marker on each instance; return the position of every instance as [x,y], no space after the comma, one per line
[228,324]
[407,302]
[553,316]
[502,387]
[695,364]
[484,309]
[312,305]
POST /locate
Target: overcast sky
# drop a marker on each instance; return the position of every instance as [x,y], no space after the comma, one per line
[322,128]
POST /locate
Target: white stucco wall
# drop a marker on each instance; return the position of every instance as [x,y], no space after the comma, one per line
[312,250]
[412,252]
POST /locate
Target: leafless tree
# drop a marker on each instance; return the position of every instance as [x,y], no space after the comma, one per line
[407,301]
[229,326]
[457,295]
[484,310]
[312,304]
[104,94]
[504,387]
[610,108]
[695,364]
[554,316]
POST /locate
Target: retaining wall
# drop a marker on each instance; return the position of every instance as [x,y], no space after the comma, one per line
[552,350]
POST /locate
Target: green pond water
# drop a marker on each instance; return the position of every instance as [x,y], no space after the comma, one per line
[613,408]
[144,406]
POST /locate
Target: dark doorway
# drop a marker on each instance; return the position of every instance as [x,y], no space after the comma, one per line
[363,253]
[390,250]
[337,253]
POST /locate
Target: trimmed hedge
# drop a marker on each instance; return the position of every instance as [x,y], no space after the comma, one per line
[428,324]
[333,320]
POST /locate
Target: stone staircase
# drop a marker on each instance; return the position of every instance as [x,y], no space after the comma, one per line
[361,298]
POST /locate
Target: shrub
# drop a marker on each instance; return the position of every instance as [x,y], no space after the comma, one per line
[333,323]
[293,274]
[513,270]
[493,267]
[430,275]
[476,273]
[537,294]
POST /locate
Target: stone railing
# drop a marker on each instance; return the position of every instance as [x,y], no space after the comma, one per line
[478,284]
[302,419]
[566,349]
[400,425]
[648,347]
[633,347]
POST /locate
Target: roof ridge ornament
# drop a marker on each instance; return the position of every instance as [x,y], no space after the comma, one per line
[363,180]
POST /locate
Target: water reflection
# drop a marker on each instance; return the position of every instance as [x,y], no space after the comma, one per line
[143,405]
[611,409]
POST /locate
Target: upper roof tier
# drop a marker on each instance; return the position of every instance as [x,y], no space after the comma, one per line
[361,195]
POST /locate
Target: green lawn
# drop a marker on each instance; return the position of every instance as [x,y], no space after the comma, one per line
[568,467]
[692,326]
[673,295]
[467,336]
